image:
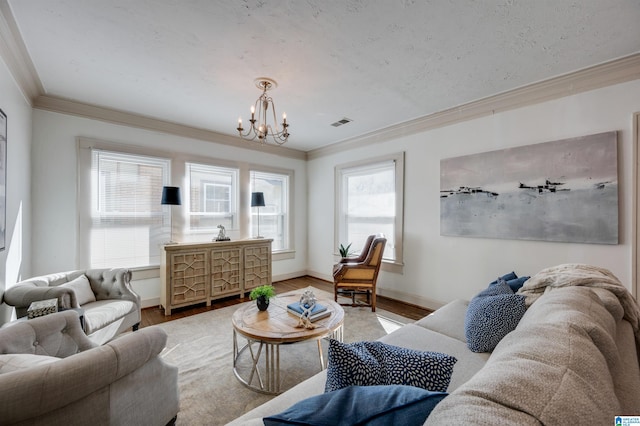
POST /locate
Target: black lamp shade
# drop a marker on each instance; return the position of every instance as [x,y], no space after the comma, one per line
[257,199]
[171,196]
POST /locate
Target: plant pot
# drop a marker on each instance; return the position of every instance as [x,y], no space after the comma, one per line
[262,302]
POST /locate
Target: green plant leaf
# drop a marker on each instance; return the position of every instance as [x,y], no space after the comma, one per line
[267,291]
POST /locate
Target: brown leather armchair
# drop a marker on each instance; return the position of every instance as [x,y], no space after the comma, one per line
[358,275]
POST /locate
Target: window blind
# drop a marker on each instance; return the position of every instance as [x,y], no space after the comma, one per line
[127,223]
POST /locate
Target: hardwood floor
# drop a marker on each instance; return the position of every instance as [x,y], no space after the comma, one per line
[155,315]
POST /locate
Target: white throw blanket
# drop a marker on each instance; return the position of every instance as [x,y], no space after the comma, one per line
[576,274]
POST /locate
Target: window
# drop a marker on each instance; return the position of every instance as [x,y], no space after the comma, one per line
[122,223]
[274,216]
[369,200]
[126,222]
[213,198]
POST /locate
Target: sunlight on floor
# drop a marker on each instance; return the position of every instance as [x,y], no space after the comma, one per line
[389,325]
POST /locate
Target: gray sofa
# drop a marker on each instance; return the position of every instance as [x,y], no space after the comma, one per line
[52,374]
[114,306]
[572,359]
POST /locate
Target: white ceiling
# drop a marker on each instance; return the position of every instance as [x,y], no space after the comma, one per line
[377,62]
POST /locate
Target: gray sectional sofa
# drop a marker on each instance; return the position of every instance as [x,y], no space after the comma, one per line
[572,359]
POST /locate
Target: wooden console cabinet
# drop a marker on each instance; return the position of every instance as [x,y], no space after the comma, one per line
[193,273]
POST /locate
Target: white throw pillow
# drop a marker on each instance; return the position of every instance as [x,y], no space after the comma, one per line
[82,289]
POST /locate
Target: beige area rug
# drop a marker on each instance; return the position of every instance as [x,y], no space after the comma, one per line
[202,348]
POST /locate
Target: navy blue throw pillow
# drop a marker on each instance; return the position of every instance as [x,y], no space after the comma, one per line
[376,363]
[491,315]
[507,277]
[517,283]
[358,405]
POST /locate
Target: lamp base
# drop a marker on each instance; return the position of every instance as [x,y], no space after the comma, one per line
[170,242]
[258,236]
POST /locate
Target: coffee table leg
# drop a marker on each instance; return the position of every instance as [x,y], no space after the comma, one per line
[255,358]
[272,367]
[322,366]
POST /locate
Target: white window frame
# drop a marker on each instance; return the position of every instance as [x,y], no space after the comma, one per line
[88,202]
[287,208]
[344,170]
[234,205]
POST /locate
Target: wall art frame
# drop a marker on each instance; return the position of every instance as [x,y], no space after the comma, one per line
[561,191]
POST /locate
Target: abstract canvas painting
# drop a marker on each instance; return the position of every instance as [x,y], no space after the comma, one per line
[565,191]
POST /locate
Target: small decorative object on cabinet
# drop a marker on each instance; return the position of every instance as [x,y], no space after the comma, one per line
[222,235]
[192,273]
[262,295]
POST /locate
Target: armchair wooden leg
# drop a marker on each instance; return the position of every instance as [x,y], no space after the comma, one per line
[135,327]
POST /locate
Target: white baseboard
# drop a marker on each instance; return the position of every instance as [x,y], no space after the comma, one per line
[320,276]
[149,303]
[410,298]
[290,275]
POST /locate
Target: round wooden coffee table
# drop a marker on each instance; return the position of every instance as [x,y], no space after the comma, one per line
[272,328]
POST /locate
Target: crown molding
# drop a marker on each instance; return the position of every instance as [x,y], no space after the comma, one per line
[79,109]
[609,73]
[15,55]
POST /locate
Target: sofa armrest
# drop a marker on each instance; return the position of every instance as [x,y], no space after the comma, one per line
[22,295]
[39,390]
[58,335]
[111,284]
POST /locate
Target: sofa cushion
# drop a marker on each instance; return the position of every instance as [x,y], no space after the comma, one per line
[371,405]
[491,315]
[14,362]
[377,363]
[557,367]
[448,320]
[82,288]
[101,313]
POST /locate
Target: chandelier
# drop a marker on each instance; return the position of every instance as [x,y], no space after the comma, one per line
[260,128]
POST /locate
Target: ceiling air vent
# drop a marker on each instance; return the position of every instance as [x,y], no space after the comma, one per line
[341,122]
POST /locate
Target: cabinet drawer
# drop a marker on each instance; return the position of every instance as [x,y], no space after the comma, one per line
[257,265]
[189,271]
[226,271]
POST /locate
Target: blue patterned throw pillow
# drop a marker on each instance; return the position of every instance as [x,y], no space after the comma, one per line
[376,363]
[491,315]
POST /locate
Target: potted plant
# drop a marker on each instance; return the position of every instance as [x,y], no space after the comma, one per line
[262,295]
[344,251]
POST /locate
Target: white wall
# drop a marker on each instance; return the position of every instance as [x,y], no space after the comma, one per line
[55,217]
[439,269]
[14,259]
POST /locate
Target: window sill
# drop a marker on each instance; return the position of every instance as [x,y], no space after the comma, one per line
[283,255]
[392,266]
[145,272]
